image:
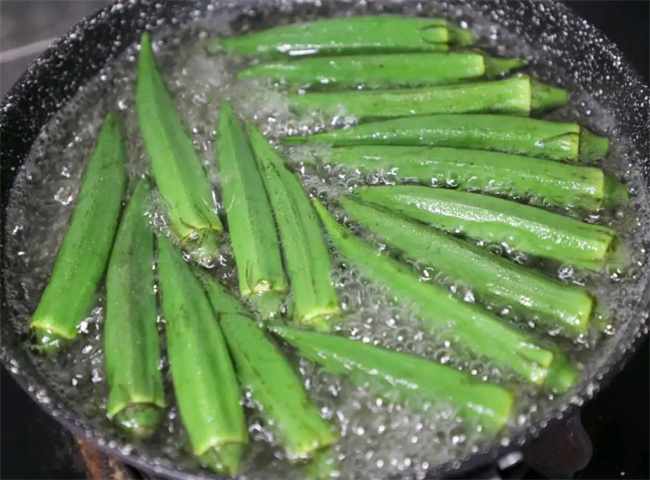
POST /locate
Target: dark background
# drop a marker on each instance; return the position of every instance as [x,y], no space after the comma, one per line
[33,446]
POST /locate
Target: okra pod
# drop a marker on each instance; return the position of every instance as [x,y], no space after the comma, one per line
[86,247]
[517,95]
[275,386]
[520,227]
[383,71]
[202,372]
[305,251]
[511,134]
[482,403]
[250,220]
[540,181]
[564,307]
[131,344]
[179,175]
[477,329]
[345,36]
[221,301]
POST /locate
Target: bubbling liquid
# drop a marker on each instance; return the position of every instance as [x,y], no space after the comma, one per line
[379,438]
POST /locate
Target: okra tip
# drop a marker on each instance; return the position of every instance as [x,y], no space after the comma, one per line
[224,458]
[561,374]
[213,45]
[592,146]
[615,194]
[460,36]
[545,97]
[48,340]
[139,420]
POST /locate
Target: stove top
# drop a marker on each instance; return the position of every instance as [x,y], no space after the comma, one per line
[609,440]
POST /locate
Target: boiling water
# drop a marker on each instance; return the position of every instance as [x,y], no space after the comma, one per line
[378,438]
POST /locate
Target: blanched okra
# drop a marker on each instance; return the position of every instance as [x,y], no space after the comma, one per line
[523,228]
[184,187]
[526,136]
[557,305]
[275,386]
[406,375]
[473,327]
[383,71]
[305,251]
[250,220]
[347,35]
[131,344]
[86,247]
[515,95]
[202,372]
[514,176]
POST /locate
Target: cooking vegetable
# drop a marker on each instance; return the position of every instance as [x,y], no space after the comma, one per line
[521,227]
[527,136]
[405,375]
[86,247]
[274,385]
[221,301]
[558,305]
[516,95]
[131,343]
[202,372]
[383,71]
[515,176]
[250,219]
[471,326]
[349,35]
[184,187]
[305,251]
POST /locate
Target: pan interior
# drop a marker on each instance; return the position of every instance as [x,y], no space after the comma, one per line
[379,438]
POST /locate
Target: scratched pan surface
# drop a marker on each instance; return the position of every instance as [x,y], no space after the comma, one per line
[561,46]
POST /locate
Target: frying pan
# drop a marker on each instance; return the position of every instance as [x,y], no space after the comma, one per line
[588,61]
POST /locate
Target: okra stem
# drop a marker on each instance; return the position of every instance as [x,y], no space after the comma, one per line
[202,372]
[541,181]
[305,251]
[473,327]
[277,389]
[131,344]
[557,305]
[344,36]
[482,403]
[382,71]
[250,220]
[184,187]
[512,134]
[86,247]
[520,227]
[515,95]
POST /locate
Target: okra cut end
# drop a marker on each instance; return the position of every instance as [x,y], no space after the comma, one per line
[592,147]
[224,458]
[495,66]
[546,97]
[458,36]
[269,304]
[48,340]
[323,320]
[561,374]
[615,194]
[139,420]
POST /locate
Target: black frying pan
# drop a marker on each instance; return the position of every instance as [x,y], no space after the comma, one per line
[588,61]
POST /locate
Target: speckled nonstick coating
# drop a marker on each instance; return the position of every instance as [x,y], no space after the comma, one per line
[588,60]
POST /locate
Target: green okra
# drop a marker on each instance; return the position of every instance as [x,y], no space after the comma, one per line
[252,229]
[204,378]
[517,95]
[512,134]
[305,251]
[485,404]
[383,71]
[276,388]
[564,307]
[477,329]
[221,301]
[520,227]
[131,346]
[540,181]
[347,35]
[177,169]
[86,247]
